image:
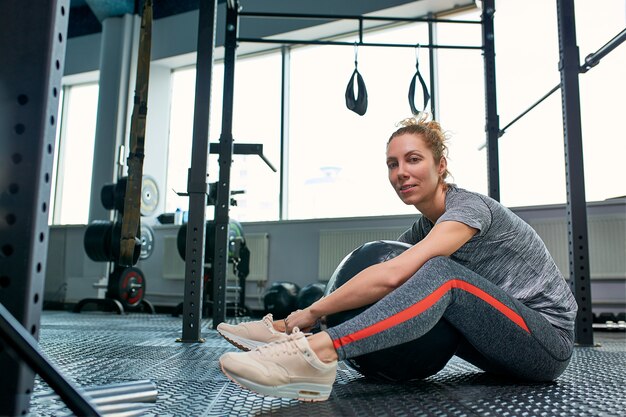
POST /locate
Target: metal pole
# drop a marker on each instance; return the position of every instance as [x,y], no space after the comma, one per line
[284,134]
[33,36]
[220,258]
[130,391]
[593,59]
[345,43]
[491,104]
[538,102]
[574,175]
[353,17]
[25,347]
[434,69]
[590,61]
[197,181]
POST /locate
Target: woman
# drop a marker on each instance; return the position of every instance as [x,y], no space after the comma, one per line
[473,263]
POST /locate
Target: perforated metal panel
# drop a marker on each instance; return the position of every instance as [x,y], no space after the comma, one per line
[97,349]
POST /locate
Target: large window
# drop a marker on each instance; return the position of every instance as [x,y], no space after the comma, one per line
[602,96]
[462,102]
[256,119]
[532,167]
[336,159]
[74,154]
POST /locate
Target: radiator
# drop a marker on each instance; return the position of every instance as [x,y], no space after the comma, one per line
[258,243]
[336,244]
[607,245]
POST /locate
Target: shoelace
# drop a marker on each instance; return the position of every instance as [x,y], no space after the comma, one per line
[288,346]
[268,319]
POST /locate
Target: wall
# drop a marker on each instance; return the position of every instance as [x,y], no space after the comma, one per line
[294,254]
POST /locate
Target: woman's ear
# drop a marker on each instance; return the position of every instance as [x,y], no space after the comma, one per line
[443,165]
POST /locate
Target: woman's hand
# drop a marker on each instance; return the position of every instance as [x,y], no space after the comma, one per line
[302,319]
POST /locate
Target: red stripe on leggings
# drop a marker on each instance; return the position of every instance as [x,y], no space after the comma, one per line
[426,303]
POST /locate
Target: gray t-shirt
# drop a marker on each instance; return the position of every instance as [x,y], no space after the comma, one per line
[507,252]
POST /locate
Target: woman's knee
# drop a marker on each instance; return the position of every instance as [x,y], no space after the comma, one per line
[438,266]
[434,273]
[437,262]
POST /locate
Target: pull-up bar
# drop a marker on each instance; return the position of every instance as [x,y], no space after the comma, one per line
[345,43]
[360,19]
[591,61]
[354,17]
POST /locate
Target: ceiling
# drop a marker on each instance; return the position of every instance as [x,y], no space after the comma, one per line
[86,15]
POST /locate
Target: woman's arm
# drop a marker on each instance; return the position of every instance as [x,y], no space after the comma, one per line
[373,283]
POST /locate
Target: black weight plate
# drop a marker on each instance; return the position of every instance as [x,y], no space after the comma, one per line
[131,287]
[97,240]
[107,196]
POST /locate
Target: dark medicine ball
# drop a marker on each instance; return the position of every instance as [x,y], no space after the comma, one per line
[309,294]
[417,359]
[280,299]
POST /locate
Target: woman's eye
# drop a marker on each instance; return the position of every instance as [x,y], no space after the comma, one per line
[414,159]
[392,165]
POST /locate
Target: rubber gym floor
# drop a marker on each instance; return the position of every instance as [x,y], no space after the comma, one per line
[94,349]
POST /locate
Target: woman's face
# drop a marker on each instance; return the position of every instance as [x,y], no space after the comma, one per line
[413,172]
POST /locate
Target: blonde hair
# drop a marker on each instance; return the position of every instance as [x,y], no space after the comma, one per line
[432,133]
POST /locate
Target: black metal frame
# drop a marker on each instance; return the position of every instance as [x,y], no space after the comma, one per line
[285,86]
[222,206]
[430,20]
[574,172]
[434,69]
[197,185]
[491,103]
[571,111]
[32,47]
[226,139]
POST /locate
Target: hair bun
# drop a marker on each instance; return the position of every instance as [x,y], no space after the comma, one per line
[433,125]
[419,118]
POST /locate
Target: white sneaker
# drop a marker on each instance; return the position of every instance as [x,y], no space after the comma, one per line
[285,369]
[249,335]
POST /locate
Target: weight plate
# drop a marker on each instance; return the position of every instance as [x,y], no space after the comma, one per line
[107,196]
[149,196]
[147,241]
[131,287]
[97,240]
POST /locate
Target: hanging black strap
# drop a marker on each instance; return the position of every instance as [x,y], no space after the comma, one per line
[358,105]
[425,93]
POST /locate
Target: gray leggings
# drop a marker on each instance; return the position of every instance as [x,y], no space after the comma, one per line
[499,334]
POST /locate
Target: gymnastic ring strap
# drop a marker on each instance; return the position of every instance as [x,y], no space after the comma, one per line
[358,105]
[418,76]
